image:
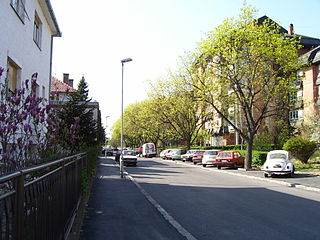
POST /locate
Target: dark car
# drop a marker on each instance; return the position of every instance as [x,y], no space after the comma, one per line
[229,159]
[197,157]
[107,151]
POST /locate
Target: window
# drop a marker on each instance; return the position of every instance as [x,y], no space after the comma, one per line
[13,75]
[34,85]
[19,7]
[37,29]
[293,115]
[43,92]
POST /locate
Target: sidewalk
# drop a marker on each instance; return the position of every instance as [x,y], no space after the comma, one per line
[299,180]
[118,210]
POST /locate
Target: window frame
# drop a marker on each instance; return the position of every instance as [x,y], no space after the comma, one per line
[14,72]
[37,30]
[19,7]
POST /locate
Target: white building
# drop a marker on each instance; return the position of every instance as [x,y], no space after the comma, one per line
[27,31]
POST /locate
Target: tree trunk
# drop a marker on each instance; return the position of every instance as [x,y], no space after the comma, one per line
[248,160]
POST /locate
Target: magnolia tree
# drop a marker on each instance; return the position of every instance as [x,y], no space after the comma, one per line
[28,127]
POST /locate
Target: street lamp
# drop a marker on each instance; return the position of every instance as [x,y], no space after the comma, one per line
[123,61]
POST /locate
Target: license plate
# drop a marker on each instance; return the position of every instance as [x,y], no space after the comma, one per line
[224,160]
[277,166]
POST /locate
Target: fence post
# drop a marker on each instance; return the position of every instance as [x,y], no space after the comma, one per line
[18,209]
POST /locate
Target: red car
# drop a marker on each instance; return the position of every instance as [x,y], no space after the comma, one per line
[229,159]
[197,156]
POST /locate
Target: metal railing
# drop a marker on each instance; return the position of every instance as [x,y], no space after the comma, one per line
[39,202]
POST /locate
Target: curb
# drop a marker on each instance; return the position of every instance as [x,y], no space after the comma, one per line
[292,185]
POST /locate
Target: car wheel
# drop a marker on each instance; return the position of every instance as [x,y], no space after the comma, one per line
[204,165]
[194,163]
[266,175]
[183,160]
[219,167]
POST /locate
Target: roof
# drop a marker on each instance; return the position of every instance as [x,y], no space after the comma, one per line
[50,16]
[59,86]
[313,56]
[264,18]
[306,42]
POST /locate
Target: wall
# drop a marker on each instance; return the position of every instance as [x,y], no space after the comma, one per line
[16,42]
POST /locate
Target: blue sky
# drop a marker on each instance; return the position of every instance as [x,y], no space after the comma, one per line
[97,34]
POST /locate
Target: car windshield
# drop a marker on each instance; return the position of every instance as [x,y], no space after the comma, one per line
[132,153]
[198,152]
[277,156]
[225,155]
[211,153]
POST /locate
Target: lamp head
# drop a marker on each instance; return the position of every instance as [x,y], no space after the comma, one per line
[126,60]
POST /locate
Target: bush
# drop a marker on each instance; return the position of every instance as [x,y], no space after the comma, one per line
[258,158]
[300,148]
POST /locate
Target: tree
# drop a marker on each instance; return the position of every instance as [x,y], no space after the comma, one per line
[249,66]
[77,108]
[175,104]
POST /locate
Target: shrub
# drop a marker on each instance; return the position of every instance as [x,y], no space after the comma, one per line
[300,148]
[258,158]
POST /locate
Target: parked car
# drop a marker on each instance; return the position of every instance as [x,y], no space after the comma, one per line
[169,153]
[107,151]
[209,157]
[176,155]
[188,155]
[229,159]
[129,157]
[163,153]
[278,162]
[197,156]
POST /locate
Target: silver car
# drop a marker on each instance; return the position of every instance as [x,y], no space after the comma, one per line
[209,157]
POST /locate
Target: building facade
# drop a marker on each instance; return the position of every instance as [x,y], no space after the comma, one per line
[27,31]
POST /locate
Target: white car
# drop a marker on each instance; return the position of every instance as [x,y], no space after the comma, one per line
[278,163]
[129,157]
[188,156]
[163,153]
[209,157]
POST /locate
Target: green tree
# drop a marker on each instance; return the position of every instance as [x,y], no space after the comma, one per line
[78,108]
[247,65]
[176,106]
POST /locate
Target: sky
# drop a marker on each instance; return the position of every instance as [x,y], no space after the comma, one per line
[98,34]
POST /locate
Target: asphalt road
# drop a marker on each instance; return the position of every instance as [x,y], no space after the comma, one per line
[118,210]
[210,204]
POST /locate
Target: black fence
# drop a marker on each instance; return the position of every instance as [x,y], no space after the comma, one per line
[40,202]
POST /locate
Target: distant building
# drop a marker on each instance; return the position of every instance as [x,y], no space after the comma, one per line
[26,39]
[60,94]
[60,90]
[309,88]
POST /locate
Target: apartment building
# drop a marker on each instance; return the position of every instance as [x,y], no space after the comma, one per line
[28,28]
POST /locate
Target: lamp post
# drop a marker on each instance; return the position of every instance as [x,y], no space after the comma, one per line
[123,61]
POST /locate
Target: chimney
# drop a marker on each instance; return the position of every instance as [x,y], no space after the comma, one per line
[291,30]
[66,78]
[71,83]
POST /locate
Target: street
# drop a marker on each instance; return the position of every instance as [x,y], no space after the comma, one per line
[174,200]
[210,204]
